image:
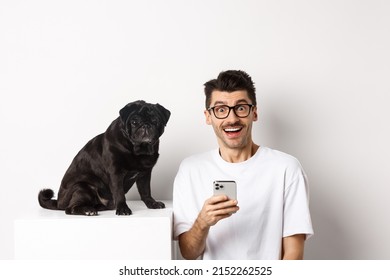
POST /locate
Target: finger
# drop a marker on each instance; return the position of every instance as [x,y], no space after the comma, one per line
[224,204]
[212,216]
[221,217]
[224,211]
[217,199]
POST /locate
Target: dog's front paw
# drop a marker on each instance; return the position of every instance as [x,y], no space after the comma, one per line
[123,210]
[152,204]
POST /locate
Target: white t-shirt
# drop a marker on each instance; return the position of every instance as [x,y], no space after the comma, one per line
[272,194]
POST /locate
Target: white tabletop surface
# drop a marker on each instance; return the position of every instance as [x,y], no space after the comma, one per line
[137,207]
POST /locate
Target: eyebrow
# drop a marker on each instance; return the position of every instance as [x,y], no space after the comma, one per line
[242,101]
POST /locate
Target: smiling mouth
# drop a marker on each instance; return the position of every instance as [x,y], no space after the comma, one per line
[232,131]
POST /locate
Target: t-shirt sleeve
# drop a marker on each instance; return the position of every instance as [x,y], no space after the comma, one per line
[297,218]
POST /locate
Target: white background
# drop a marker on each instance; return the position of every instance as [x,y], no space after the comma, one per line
[321,69]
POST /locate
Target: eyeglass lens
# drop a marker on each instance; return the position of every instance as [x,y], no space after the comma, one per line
[241,110]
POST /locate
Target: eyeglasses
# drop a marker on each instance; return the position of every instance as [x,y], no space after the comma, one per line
[223,111]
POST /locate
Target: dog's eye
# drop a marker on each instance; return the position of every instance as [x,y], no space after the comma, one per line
[134,122]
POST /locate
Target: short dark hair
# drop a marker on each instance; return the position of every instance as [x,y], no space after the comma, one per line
[229,81]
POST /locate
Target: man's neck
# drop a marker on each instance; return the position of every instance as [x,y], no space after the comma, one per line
[238,155]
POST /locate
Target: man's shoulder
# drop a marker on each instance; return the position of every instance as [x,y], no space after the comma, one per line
[280,157]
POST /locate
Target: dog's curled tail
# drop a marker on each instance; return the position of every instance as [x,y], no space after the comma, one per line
[45,199]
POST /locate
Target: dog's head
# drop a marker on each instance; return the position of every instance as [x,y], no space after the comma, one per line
[143,123]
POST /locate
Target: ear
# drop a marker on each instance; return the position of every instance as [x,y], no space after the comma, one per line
[255,114]
[129,108]
[164,113]
[208,116]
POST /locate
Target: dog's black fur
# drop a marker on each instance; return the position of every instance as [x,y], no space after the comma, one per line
[108,165]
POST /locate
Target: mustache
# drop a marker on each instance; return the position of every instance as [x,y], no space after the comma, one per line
[237,123]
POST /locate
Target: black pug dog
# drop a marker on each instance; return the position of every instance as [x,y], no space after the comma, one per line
[108,165]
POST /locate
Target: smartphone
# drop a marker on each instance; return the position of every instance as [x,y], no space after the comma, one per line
[228,188]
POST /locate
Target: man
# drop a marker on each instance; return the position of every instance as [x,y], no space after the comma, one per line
[270,218]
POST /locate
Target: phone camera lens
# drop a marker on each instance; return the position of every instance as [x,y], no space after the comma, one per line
[221,186]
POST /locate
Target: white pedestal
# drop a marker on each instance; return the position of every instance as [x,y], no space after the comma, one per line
[51,234]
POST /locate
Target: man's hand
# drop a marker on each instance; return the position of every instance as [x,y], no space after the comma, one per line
[192,243]
[215,209]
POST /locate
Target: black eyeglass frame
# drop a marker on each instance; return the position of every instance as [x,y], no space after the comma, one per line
[230,108]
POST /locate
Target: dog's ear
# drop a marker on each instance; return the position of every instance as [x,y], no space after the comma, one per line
[164,113]
[125,112]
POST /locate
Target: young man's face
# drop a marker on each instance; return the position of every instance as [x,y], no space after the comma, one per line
[232,132]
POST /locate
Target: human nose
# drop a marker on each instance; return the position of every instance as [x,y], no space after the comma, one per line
[231,115]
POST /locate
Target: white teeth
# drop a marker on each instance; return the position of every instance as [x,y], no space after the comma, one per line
[232,129]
